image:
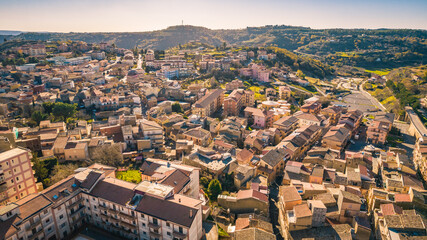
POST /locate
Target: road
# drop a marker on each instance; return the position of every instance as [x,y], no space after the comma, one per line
[139,63]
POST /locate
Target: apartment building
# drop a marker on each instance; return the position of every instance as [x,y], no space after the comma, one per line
[209,104]
[152,131]
[16,175]
[237,99]
[127,210]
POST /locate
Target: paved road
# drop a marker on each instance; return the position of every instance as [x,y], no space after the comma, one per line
[416,121]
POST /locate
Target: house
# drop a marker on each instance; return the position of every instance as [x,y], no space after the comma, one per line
[312,107]
[348,206]
[332,112]
[209,104]
[307,119]
[238,99]
[299,218]
[336,138]
[272,163]
[286,125]
[76,151]
[285,92]
[199,136]
[245,202]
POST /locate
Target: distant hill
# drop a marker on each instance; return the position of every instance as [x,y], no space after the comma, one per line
[380,48]
[7,32]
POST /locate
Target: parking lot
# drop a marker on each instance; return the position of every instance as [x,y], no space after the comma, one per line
[358,101]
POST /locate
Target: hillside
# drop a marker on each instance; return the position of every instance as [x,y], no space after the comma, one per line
[372,49]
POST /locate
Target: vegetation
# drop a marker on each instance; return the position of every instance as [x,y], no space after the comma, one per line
[110,155]
[214,189]
[176,107]
[133,176]
[381,48]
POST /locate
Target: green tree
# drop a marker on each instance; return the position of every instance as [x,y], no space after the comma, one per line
[214,189]
[41,172]
[48,107]
[63,111]
[176,107]
[38,116]
[205,182]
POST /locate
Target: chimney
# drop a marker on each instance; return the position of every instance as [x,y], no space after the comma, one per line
[191,213]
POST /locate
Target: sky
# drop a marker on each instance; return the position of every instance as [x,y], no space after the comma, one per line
[145,15]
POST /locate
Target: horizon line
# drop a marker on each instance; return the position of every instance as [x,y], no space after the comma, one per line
[216,29]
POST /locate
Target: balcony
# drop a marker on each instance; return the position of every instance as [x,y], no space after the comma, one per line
[33,224]
[76,202]
[128,225]
[77,211]
[179,235]
[36,234]
[154,226]
[155,234]
[104,208]
[126,216]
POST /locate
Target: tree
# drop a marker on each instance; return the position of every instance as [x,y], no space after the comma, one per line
[63,111]
[300,74]
[214,189]
[38,116]
[176,107]
[41,172]
[108,155]
[62,171]
[204,181]
[48,107]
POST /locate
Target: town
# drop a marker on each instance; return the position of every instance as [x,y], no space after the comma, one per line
[200,142]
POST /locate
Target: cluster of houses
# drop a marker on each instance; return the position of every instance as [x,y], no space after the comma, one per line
[177,133]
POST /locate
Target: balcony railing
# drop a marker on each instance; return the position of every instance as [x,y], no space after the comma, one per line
[33,224]
[36,234]
[179,234]
[153,225]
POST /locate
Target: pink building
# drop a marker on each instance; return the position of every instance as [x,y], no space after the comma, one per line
[16,175]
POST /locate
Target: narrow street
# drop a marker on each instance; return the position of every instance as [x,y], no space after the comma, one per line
[274,211]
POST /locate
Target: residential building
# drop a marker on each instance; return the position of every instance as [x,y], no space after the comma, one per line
[238,99]
[16,175]
[209,104]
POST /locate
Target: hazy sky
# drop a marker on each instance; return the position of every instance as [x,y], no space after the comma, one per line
[143,15]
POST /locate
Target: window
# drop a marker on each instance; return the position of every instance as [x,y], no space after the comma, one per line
[142,215]
[63,225]
[48,220]
[180,230]
[61,217]
[14,170]
[143,224]
[168,233]
[19,186]
[168,225]
[155,221]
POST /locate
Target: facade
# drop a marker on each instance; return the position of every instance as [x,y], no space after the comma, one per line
[16,175]
[127,210]
[237,99]
[209,104]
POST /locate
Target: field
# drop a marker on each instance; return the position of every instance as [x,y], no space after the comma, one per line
[380,72]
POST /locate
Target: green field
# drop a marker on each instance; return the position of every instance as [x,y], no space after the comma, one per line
[380,72]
